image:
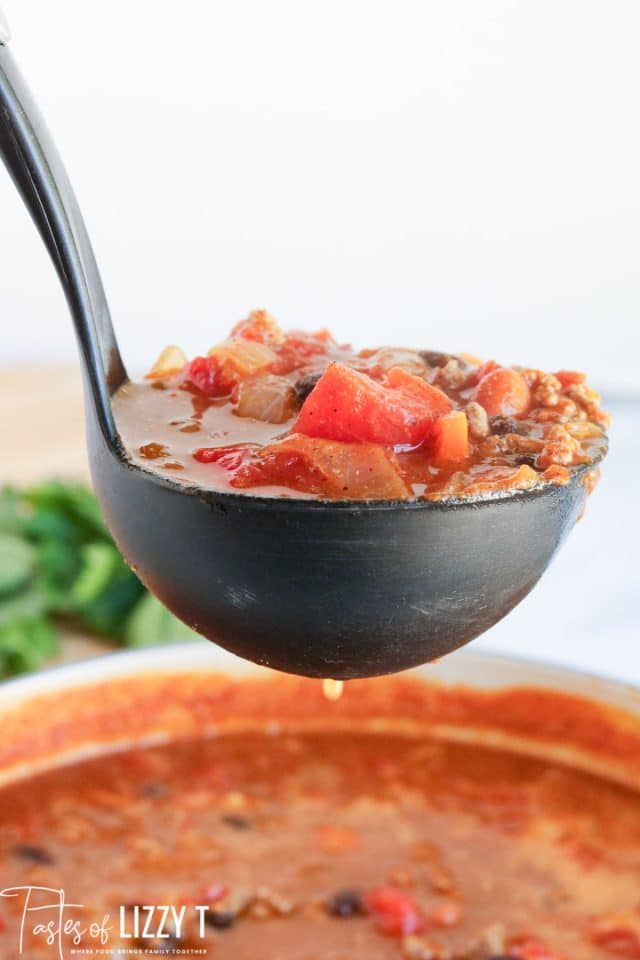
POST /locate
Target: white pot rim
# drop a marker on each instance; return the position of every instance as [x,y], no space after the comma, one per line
[470,668]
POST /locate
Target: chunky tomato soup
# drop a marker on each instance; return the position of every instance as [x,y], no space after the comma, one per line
[306,842]
[275,413]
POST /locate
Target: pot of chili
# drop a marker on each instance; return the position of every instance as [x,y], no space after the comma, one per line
[182,802]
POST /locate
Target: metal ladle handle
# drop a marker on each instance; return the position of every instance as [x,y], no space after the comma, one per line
[37,171]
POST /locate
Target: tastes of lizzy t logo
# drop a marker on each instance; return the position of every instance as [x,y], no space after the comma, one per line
[47,917]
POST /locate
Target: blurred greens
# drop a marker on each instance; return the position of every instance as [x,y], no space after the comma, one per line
[58,564]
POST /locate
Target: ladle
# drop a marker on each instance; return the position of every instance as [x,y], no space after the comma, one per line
[326,589]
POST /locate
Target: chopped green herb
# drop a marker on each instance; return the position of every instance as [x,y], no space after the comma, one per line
[151,623]
[17,560]
[57,560]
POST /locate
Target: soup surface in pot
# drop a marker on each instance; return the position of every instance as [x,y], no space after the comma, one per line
[275,846]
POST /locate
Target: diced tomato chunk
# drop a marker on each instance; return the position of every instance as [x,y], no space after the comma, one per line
[229,458]
[285,467]
[356,471]
[569,378]
[205,374]
[530,948]
[309,344]
[447,914]
[618,934]
[451,441]
[349,406]
[299,348]
[503,393]
[212,893]
[437,401]
[481,371]
[395,912]
[217,374]
[335,839]
[620,943]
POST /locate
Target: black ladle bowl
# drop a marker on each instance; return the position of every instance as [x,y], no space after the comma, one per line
[325,589]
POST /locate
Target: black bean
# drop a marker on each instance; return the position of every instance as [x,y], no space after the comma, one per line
[238,823]
[434,358]
[32,853]
[345,903]
[153,789]
[503,425]
[527,460]
[168,946]
[305,385]
[220,919]
[165,947]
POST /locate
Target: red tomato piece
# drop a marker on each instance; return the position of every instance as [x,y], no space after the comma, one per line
[205,374]
[448,914]
[356,471]
[281,468]
[349,406]
[394,911]
[437,401]
[213,893]
[476,375]
[503,393]
[570,378]
[309,344]
[620,943]
[618,934]
[451,442]
[229,458]
[530,948]
[335,839]
[299,347]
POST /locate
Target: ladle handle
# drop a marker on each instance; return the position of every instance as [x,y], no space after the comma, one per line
[37,171]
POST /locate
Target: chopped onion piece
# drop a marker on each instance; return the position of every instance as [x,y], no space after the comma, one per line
[171,360]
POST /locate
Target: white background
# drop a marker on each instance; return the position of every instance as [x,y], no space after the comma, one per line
[462,175]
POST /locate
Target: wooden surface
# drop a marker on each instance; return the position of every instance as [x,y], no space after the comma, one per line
[41,424]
